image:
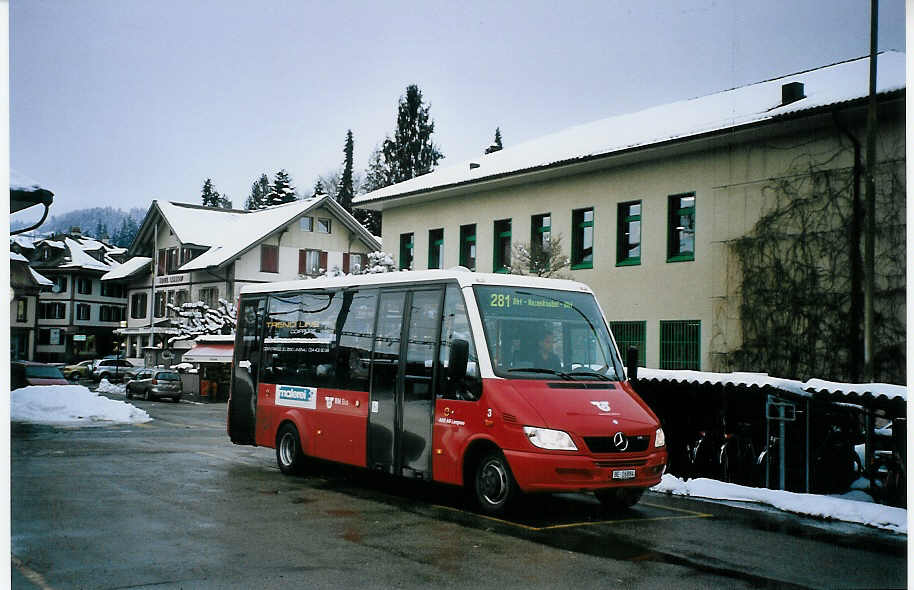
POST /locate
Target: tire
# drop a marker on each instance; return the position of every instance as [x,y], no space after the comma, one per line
[619,498]
[103,376]
[289,456]
[176,399]
[493,483]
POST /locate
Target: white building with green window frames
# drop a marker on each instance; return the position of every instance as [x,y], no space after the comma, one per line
[658,209]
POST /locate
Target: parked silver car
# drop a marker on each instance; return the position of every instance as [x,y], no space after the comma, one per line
[155,384]
[113,370]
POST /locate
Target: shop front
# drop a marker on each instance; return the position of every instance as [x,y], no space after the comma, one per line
[212,355]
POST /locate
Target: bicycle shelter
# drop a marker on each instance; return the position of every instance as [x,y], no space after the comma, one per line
[801,436]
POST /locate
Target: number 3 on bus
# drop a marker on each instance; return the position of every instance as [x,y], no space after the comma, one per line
[498,383]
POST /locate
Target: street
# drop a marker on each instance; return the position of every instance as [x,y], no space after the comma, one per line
[173,504]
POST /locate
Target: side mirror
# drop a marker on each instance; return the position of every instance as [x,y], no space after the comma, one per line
[631,361]
[457,362]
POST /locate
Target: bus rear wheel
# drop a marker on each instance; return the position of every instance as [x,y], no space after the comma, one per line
[619,498]
[289,455]
[494,484]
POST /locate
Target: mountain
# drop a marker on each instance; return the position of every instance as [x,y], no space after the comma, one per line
[107,219]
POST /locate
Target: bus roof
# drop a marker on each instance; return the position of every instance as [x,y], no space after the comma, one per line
[464,278]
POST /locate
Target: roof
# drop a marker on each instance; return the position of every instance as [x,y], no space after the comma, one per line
[715,113]
[128,268]
[25,192]
[759,380]
[229,233]
[464,278]
[40,278]
[880,395]
[76,253]
[211,352]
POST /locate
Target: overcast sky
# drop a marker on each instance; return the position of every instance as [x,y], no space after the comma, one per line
[121,102]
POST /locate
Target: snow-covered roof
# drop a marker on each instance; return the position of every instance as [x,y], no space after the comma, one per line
[851,392]
[128,268]
[759,380]
[228,233]
[40,278]
[23,241]
[874,390]
[462,276]
[54,244]
[18,257]
[681,120]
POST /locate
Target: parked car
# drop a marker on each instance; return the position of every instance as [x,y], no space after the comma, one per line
[23,373]
[156,384]
[80,370]
[113,370]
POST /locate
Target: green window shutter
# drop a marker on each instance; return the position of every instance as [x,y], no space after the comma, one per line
[680,344]
[628,334]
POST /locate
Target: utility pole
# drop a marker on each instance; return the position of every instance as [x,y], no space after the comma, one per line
[869,229]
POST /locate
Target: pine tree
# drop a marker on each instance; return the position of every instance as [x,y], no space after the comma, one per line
[318,188]
[281,191]
[224,202]
[259,190]
[209,194]
[496,144]
[346,192]
[411,152]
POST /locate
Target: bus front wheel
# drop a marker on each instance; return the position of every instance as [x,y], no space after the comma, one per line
[289,455]
[494,484]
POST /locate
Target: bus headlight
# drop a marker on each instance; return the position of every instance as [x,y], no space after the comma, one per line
[659,438]
[546,438]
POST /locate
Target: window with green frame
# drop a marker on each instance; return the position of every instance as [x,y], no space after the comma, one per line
[680,344]
[582,238]
[436,248]
[628,232]
[681,228]
[406,251]
[540,230]
[502,254]
[630,334]
[468,246]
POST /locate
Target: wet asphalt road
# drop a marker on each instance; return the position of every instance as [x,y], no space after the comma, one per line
[173,504]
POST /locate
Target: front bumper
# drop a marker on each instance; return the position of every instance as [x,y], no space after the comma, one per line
[554,472]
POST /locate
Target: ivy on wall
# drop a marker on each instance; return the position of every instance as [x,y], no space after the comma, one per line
[801,307]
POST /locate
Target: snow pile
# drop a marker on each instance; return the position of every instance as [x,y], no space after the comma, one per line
[826,507]
[70,405]
[106,386]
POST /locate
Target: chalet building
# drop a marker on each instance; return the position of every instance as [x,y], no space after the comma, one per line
[652,206]
[25,284]
[184,253]
[76,316]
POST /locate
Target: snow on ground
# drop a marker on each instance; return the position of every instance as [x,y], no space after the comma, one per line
[106,386]
[70,405]
[825,507]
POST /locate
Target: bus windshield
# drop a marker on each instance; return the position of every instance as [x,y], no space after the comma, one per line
[548,334]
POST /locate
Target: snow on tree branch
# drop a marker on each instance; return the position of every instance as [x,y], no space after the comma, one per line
[198,319]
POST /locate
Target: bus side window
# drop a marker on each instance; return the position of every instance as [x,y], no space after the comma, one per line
[300,341]
[456,325]
[353,359]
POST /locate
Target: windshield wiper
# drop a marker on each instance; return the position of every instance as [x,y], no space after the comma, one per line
[589,373]
[565,376]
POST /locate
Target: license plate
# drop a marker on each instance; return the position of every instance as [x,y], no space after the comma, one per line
[624,474]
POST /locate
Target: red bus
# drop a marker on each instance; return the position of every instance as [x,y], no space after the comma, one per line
[499,383]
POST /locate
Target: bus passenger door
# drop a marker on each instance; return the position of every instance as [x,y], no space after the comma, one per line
[418,392]
[385,379]
[242,410]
